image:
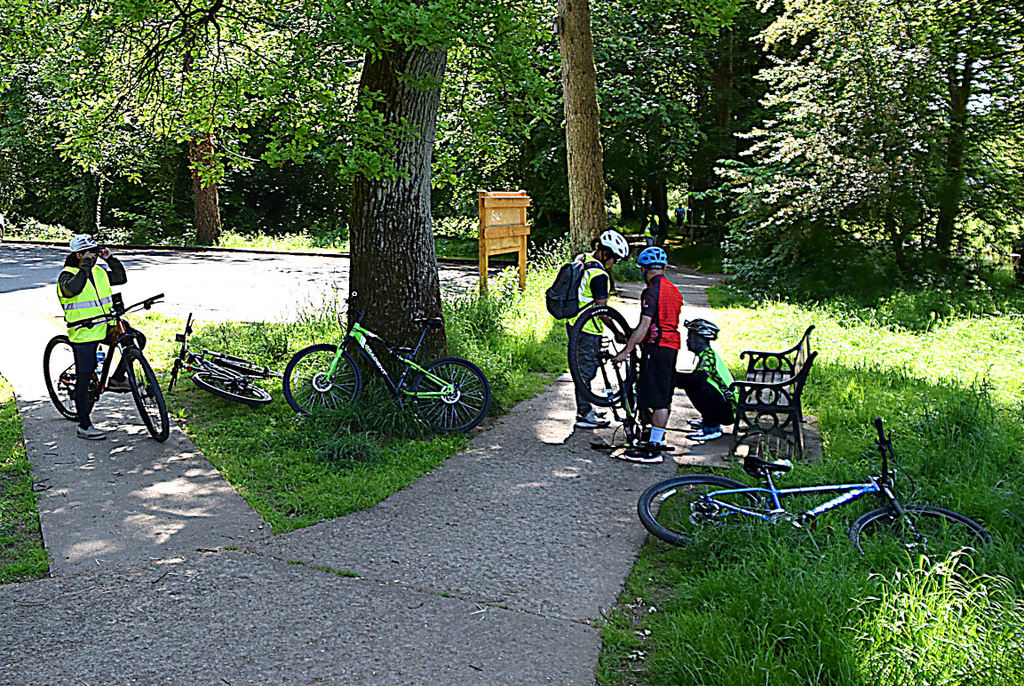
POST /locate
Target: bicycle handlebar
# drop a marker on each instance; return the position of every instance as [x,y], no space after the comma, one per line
[116,313]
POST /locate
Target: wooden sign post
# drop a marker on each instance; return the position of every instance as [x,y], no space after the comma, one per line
[503,229]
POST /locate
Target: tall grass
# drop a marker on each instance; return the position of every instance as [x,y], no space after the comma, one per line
[941,624]
[779,605]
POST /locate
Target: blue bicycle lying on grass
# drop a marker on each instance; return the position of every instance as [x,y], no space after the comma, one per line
[683,508]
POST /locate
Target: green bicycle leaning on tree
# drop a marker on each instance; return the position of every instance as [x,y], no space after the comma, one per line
[449,394]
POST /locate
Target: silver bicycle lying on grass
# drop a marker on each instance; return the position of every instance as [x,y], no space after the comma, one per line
[225,376]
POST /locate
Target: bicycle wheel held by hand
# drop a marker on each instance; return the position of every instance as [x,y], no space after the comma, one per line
[677,509]
[924,529]
[309,384]
[453,395]
[611,379]
[147,394]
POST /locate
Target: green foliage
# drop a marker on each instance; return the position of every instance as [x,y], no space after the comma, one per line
[22,557]
[873,105]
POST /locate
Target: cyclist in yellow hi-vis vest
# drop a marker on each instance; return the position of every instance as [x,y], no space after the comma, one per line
[609,248]
[83,288]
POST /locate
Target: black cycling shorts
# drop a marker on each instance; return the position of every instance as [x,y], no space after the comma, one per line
[657,374]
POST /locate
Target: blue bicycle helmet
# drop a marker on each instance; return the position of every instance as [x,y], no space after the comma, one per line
[652,258]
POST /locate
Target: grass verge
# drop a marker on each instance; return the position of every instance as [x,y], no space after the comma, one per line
[298,472]
[22,556]
[780,605]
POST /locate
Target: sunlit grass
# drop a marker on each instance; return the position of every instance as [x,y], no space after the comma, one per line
[22,557]
[787,606]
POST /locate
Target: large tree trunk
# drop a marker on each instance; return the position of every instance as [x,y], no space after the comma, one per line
[394,266]
[657,196]
[1018,266]
[200,155]
[626,201]
[953,184]
[896,239]
[587,218]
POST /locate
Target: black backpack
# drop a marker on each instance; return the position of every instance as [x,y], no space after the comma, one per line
[563,296]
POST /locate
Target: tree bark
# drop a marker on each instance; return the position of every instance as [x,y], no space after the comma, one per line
[896,239]
[585,157]
[1018,267]
[90,201]
[956,141]
[626,201]
[657,193]
[207,204]
[394,266]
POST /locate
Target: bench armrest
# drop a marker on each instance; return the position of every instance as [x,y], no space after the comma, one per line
[784,360]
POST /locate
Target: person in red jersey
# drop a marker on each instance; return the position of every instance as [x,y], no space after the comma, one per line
[658,336]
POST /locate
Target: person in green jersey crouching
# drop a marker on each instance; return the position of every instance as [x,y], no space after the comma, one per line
[708,386]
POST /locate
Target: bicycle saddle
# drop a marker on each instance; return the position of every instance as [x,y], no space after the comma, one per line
[755,466]
[429,322]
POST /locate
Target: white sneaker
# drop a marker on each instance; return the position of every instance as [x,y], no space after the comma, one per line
[591,421]
[91,434]
[706,433]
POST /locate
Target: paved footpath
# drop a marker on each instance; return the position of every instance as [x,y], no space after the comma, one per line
[493,569]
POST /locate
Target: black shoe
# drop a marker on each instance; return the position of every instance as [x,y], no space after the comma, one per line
[118,386]
[643,453]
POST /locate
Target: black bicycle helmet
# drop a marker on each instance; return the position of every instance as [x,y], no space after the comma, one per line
[703,328]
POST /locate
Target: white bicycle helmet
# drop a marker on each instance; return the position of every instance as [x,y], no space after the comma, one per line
[83,241]
[616,242]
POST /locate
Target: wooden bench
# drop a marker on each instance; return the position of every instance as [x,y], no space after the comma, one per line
[769,414]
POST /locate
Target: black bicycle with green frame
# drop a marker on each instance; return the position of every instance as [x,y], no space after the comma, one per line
[449,394]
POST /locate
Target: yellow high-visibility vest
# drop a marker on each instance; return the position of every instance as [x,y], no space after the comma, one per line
[94,300]
[592,268]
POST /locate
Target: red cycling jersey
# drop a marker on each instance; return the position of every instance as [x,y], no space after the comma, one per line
[661,301]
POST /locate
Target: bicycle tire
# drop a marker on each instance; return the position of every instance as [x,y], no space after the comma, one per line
[149,399]
[614,377]
[459,412]
[304,386]
[669,524]
[235,390]
[60,381]
[882,526]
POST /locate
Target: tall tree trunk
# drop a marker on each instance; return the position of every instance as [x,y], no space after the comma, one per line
[896,238]
[90,199]
[626,201]
[200,155]
[657,194]
[953,184]
[394,266]
[585,156]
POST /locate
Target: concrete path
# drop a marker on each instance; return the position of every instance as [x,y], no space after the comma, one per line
[493,569]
